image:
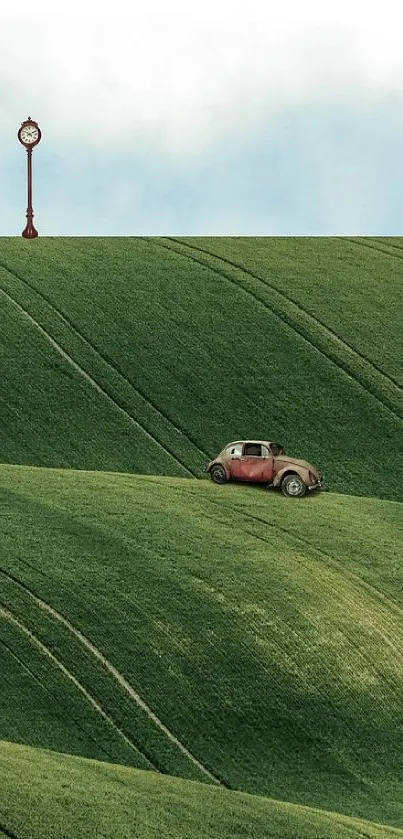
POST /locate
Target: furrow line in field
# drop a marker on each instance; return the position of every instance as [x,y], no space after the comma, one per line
[8,615]
[312,318]
[88,378]
[8,833]
[337,343]
[394,246]
[361,242]
[119,678]
[52,695]
[106,360]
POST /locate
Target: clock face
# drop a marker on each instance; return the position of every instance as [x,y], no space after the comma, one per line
[29,134]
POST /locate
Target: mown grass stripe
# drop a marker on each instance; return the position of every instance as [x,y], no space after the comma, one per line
[88,378]
[134,695]
[8,615]
[309,335]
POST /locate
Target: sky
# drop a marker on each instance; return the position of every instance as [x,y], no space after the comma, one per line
[213,118]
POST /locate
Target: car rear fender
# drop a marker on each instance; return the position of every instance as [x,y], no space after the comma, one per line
[291,469]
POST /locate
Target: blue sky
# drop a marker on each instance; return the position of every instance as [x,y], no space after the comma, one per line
[216,120]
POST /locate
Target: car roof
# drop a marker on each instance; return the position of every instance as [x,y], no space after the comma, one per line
[258,442]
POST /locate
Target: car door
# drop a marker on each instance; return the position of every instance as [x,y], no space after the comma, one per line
[255,464]
[232,459]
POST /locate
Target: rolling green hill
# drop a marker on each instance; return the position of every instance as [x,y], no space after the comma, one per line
[180,659]
[72,797]
[221,634]
[148,355]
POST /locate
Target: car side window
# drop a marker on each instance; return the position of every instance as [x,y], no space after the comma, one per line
[265,451]
[234,451]
[252,450]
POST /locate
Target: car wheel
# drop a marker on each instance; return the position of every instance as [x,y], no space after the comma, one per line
[218,474]
[293,486]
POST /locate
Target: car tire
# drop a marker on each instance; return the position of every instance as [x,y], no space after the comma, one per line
[293,486]
[218,474]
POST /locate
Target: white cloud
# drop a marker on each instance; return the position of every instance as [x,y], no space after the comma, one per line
[176,76]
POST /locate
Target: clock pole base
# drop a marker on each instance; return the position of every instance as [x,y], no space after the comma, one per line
[29,232]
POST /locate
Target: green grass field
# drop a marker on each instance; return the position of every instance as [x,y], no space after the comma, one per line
[180,659]
[148,355]
[221,634]
[68,796]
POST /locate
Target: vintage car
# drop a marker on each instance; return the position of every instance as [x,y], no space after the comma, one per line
[259,461]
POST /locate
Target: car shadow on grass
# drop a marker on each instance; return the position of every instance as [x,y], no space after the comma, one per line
[264,488]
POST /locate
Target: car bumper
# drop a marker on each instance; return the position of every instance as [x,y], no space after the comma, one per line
[317,485]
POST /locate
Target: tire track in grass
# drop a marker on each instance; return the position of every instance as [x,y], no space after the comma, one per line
[316,322]
[119,678]
[364,243]
[395,247]
[8,615]
[313,318]
[9,833]
[349,368]
[83,373]
[44,687]
[106,360]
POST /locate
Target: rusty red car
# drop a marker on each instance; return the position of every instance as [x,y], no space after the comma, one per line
[264,462]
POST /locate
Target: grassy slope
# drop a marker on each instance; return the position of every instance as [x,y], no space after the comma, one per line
[147,322]
[351,285]
[266,635]
[62,796]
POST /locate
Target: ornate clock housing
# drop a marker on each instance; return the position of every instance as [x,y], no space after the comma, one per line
[29,134]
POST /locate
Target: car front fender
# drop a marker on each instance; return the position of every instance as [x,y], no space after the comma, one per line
[217,462]
[291,468]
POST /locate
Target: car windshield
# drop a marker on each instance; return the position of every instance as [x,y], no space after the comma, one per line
[277,449]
